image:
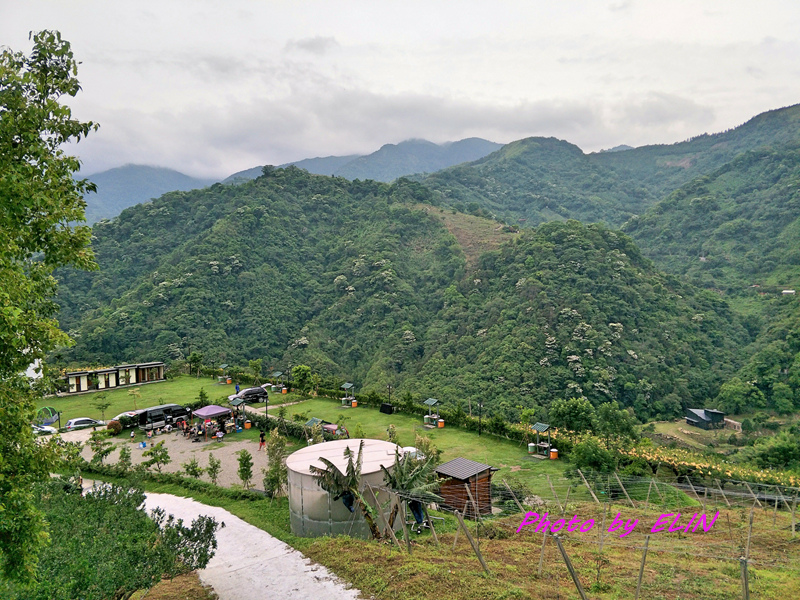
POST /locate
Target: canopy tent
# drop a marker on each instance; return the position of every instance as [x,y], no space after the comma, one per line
[212,412]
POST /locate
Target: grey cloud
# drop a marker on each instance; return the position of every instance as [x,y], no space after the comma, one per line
[315,45]
[663,110]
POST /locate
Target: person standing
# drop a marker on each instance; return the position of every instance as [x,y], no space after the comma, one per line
[237,388]
[261,441]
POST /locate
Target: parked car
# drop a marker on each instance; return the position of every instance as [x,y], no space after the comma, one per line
[128,418]
[81,423]
[249,396]
[43,429]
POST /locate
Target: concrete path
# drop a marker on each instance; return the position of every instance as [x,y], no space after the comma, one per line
[250,564]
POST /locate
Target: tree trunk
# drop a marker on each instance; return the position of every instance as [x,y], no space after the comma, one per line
[373,528]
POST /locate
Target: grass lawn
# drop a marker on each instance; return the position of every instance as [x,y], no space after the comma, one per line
[173,391]
[510,457]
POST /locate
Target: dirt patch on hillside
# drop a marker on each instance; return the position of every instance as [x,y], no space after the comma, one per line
[475,235]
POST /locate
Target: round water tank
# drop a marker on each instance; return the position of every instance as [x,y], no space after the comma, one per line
[313,511]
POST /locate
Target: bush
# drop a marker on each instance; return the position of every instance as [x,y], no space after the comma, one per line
[114,427]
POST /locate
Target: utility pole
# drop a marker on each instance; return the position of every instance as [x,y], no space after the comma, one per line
[480,416]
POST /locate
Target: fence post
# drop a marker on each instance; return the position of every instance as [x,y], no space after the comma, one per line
[569,489]
[724,497]
[383,517]
[587,486]
[541,556]
[405,526]
[641,568]
[602,530]
[472,542]
[619,481]
[794,507]
[552,489]
[514,496]
[570,568]
[745,583]
[778,489]
[749,533]
[694,491]
[430,523]
[751,492]
[647,502]
[775,512]
[474,504]
[658,491]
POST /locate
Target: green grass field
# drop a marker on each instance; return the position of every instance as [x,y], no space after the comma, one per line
[178,391]
[510,457]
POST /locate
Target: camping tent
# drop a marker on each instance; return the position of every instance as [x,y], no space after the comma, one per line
[212,412]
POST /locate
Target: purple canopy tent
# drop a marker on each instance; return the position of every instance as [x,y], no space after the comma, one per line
[212,412]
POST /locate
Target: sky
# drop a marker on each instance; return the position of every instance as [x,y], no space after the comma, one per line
[211,88]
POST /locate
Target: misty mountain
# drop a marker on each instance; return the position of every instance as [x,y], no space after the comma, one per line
[391,161]
[327,165]
[536,180]
[125,186]
[414,156]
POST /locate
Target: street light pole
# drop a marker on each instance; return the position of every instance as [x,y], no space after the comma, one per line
[480,416]
[389,389]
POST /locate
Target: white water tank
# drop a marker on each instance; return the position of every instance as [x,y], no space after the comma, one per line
[312,511]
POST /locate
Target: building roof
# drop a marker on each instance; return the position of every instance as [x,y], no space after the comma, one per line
[150,364]
[699,413]
[462,468]
[375,454]
[704,413]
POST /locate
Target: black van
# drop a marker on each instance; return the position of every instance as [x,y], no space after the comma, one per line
[156,417]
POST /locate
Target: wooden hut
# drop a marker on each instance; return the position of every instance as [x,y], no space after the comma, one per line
[705,418]
[460,474]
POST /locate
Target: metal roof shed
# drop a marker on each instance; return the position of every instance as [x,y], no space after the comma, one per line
[461,474]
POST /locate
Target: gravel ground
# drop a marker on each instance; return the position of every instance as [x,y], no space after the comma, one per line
[181,450]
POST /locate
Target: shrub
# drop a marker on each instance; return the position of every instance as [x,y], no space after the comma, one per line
[214,468]
[115,427]
[245,468]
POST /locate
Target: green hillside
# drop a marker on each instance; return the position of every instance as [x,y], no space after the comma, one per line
[236,271]
[536,180]
[737,230]
[663,168]
[362,282]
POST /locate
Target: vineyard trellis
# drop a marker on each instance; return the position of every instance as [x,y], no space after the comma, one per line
[757,522]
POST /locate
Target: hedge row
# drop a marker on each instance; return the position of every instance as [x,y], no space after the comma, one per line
[188,483]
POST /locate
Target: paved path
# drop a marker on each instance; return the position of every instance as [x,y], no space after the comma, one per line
[250,564]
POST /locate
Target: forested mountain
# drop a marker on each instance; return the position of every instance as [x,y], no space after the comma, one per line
[537,180]
[414,156]
[663,168]
[390,161]
[327,165]
[126,186]
[737,230]
[736,227]
[362,281]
